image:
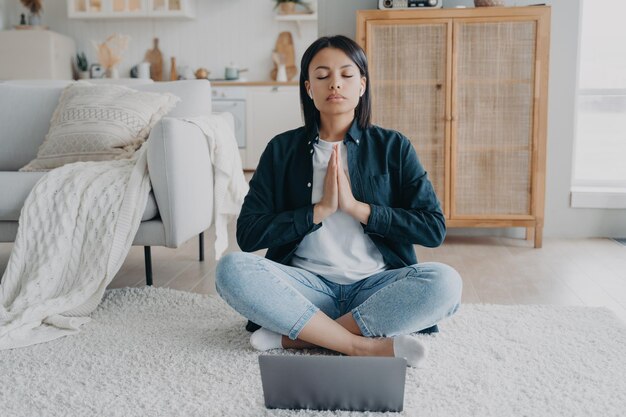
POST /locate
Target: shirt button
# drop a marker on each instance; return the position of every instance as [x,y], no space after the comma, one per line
[357,141]
[309,185]
[309,143]
[311,150]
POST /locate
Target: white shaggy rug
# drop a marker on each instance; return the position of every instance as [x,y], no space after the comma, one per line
[161,352]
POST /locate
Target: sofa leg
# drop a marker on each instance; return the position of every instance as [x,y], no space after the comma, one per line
[148,260]
[201,246]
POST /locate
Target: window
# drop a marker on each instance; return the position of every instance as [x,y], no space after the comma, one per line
[600,151]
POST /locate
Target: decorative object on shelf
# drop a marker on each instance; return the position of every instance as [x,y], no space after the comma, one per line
[82,66]
[96,71]
[143,70]
[281,71]
[289,6]
[22,19]
[110,53]
[173,72]
[488,3]
[232,71]
[34,8]
[155,58]
[284,47]
[202,73]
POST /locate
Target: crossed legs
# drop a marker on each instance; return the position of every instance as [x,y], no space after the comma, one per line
[306,309]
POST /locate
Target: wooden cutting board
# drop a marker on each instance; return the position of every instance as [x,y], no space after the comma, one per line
[155,58]
[284,46]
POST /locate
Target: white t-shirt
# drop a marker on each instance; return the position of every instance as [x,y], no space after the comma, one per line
[340,251]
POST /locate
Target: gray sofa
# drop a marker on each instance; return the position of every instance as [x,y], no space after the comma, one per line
[180,205]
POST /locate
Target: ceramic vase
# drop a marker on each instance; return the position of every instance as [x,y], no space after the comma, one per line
[112,73]
[34,19]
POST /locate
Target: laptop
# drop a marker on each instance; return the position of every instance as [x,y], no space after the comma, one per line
[355,383]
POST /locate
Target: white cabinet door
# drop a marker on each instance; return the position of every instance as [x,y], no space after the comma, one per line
[270,111]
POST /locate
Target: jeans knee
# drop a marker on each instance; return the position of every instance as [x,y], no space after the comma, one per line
[447,283]
[230,270]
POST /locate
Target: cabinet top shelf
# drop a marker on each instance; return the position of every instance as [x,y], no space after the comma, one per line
[528,11]
[463,81]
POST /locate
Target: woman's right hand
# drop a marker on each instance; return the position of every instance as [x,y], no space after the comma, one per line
[330,197]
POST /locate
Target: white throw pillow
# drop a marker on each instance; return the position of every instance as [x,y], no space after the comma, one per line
[98,123]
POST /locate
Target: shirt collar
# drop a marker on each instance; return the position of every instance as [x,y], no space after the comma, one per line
[354,133]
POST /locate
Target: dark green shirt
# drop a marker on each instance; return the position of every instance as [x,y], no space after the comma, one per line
[384,172]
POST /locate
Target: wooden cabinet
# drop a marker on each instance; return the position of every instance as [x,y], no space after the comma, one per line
[107,9]
[469,88]
[270,110]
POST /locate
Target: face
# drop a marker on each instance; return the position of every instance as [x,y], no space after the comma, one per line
[335,82]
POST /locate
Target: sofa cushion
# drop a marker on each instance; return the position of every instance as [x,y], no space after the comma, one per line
[16,186]
[99,122]
[25,113]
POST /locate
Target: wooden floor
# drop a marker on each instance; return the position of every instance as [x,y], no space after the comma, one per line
[495,270]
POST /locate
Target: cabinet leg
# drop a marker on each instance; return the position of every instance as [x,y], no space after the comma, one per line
[538,236]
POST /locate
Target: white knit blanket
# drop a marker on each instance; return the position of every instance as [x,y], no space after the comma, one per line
[230,186]
[75,230]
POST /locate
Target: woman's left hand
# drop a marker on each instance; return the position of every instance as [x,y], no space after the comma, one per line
[346,198]
[347,202]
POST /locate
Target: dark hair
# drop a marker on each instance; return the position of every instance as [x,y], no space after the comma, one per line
[363,111]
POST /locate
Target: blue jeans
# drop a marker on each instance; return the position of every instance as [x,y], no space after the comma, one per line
[283,298]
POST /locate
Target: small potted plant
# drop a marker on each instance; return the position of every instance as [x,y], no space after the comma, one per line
[289,6]
[82,65]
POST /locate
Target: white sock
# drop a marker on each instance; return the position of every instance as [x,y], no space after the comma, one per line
[409,348]
[264,339]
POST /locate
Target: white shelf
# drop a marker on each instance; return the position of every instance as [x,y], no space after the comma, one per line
[79,9]
[296,17]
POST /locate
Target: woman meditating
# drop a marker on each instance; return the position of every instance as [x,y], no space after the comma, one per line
[339,204]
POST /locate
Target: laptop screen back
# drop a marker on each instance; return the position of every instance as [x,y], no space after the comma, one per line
[333,382]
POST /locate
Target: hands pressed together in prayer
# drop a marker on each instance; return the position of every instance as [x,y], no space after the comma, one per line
[337,194]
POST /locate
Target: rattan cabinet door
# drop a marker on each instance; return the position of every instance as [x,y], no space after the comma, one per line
[407,62]
[493,85]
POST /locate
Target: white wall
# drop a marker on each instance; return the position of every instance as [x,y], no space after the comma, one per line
[242,31]
[339,17]
[561,219]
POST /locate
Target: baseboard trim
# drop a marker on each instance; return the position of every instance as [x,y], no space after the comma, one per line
[598,197]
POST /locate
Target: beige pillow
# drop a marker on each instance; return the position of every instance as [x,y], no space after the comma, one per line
[98,123]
